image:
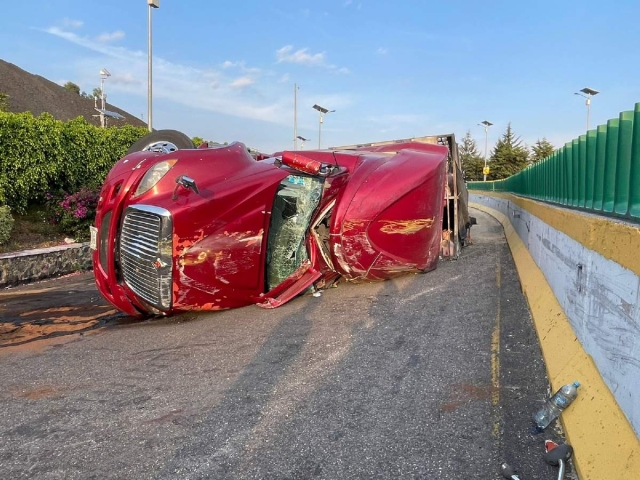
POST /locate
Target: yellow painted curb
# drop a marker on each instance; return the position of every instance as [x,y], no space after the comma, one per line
[605,445]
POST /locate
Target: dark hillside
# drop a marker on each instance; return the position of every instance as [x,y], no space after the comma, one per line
[33,93]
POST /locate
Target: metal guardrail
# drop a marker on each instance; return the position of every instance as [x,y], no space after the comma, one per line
[598,171]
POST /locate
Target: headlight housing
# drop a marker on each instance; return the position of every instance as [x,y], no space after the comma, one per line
[154,175]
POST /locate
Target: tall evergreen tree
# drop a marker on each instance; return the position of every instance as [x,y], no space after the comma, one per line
[541,150]
[472,161]
[509,156]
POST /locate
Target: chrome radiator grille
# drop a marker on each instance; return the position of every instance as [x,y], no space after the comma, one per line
[146,254]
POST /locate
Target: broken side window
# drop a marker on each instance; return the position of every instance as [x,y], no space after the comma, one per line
[295,202]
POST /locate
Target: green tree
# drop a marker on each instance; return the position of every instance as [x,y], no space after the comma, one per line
[509,156]
[97,92]
[541,150]
[4,105]
[72,87]
[472,161]
[197,141]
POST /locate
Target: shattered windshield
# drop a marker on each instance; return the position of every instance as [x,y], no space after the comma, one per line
[293,207]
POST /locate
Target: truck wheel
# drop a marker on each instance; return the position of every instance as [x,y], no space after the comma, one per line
[163,141]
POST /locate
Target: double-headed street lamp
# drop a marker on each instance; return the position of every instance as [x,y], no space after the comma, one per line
[587,93]
[323,111]
[486,125]
[152,4]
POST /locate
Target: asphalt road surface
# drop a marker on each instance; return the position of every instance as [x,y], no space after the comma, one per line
[430,376]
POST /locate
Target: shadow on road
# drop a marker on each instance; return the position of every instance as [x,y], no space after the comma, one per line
[218,445]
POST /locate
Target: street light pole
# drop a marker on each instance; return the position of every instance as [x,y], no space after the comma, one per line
[152,4]
[486,125]
[322,111]
[588,93]
[295,116]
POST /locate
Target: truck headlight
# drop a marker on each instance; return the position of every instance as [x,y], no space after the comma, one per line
[154,175]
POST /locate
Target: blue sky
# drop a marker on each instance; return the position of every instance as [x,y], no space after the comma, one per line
[226,70]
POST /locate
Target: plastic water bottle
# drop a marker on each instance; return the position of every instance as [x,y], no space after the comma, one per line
[554,406]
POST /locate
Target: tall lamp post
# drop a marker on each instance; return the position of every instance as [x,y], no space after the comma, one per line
[486,124]
[302,140]
[295,116]
[587,93]
[152,4]
[323,111]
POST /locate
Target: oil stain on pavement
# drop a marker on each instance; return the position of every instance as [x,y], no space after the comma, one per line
[65,306]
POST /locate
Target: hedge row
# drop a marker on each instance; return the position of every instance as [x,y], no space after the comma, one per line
[40,155]
[6,224]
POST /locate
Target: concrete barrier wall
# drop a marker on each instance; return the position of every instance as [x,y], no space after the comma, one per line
[580,275]
[598,295]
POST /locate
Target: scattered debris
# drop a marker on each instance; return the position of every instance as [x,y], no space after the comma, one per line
[554,406]
[558,455]
[509,472]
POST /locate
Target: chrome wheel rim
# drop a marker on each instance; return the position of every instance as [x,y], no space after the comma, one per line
[160,147]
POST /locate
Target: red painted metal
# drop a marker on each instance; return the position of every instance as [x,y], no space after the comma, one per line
[297,282]
[301,162]
[383,208]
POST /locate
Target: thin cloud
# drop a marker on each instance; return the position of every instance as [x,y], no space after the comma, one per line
[242,66]
[347,3]
[398,119]
[301,56]
[242,82]
[108,37]
[182,84]
[284,78]
[125,79]
[382,51]
[71,23]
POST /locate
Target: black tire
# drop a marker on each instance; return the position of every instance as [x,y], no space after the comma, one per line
[162,141]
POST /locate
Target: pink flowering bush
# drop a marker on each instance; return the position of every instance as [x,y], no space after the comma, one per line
[73,213]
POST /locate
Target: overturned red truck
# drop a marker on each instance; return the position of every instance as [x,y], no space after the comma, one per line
[210,228]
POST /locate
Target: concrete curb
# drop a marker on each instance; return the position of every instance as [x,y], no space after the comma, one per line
[31,265]
[605,444]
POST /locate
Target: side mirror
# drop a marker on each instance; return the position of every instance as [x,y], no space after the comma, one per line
[186,182]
